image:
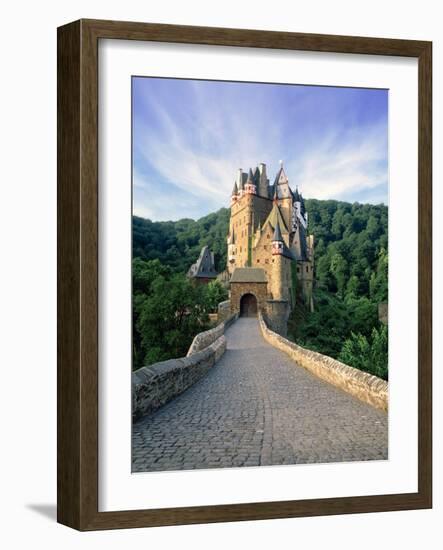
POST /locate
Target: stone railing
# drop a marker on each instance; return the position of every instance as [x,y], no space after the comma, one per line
[155,385]
[224,310]
[364,386]
[204,339]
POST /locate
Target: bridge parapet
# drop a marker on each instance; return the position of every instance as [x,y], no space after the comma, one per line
[364,386]
[204,339]
[155,385]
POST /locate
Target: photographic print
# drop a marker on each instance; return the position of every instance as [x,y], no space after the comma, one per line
[259,273]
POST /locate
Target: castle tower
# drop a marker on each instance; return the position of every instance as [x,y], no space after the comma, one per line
[268,240]
[263,180]
[277,268]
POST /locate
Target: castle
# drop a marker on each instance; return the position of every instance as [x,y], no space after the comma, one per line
[270,259]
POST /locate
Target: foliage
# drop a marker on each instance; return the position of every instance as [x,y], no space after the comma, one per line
[215,293]
[168,310]
[351,279]
[368,354]
[178,244]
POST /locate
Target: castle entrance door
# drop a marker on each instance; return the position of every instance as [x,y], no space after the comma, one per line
[248,306]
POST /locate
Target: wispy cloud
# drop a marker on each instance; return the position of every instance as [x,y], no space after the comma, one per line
[190,137]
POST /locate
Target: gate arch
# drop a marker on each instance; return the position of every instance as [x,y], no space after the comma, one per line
[248,305]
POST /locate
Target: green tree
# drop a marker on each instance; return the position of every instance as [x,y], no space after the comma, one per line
[368,354]
[215,293]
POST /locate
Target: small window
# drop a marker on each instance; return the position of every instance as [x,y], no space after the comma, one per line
[273,260]
[307,269]
[258,261]
[266,261]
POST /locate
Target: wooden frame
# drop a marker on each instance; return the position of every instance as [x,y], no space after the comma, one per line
[78,283]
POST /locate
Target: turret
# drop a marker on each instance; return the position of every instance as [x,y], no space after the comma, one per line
[278,260]
[263,180]
[250,187]
[240,188]
[231,248]
[234,194]
[281,183]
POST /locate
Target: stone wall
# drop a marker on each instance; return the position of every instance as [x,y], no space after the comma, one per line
[155,385]
[259,290]
[224,310]
[204,339]
[362,385]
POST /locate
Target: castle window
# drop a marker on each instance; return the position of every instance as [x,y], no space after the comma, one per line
[266,261]
[258,261]
[272,260]
[298,269]
[307,269]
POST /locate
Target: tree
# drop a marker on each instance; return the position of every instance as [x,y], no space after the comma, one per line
[368,354]
[215,293]
[339,268]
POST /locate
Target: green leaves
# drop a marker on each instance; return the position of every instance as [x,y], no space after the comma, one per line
[178,244]
[367,354]
[168,311]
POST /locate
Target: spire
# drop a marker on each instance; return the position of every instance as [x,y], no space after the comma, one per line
[235,189]
[277,234]
[250,176]
[296,195]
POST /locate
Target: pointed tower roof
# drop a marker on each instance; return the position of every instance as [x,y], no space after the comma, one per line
[296,195]
[277,234]
[276,217]
[250,176]
[235,189]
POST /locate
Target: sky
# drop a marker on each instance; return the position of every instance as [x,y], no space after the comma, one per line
[190,137]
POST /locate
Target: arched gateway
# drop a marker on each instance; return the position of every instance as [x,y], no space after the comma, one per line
[248,306]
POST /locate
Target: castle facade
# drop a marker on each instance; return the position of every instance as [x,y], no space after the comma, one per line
[270,253]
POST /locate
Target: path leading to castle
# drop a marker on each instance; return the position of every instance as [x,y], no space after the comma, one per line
[257,407]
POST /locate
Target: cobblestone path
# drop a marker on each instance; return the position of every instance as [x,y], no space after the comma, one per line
[257,407]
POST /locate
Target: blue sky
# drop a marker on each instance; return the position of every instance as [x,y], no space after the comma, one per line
[190,137]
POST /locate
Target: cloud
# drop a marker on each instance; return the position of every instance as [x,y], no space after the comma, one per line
[340,167]
[190,138]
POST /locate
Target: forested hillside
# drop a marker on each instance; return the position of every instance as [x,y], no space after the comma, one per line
[351,267]
[178,244]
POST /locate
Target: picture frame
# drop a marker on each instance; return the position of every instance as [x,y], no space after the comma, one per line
[77,277]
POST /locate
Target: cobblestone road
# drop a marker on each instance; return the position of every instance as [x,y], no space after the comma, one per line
[257,407]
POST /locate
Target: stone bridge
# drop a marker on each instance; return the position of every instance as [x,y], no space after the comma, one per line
[257,407]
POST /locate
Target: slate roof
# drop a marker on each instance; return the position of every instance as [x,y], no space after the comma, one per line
[276,217]
[249,275]
[204,266]
[277,233]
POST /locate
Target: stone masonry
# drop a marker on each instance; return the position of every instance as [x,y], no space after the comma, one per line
[364,386]
[257,407]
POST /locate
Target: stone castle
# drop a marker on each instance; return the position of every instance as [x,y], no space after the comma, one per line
[270,261]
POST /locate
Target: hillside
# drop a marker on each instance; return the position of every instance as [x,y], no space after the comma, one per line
[351,268]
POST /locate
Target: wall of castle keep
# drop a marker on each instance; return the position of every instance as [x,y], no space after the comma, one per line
[259,290]
[364,386]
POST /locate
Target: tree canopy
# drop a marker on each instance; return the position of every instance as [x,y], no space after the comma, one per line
[351,279]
